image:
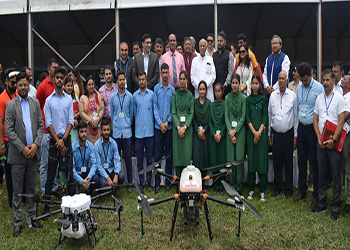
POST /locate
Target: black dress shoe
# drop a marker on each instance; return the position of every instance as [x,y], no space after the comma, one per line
[46,211]
[276,192]
[167,188]
[36,224]
[17,230]
[157,189]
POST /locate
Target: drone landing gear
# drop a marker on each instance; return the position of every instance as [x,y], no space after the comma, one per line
[208,219]
[176,208]
[239,225]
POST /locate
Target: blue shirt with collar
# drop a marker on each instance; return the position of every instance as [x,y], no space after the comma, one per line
[306,99]
[162,104]
[26,119]
[59,112]
[81,158]
[143,113]
[122,104]
[107,154]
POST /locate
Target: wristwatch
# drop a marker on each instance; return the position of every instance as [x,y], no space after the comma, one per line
[64,139]
[185,127]
[334,140]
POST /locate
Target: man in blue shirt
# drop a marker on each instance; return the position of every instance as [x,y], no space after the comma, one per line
[307,93]
[163,93]
[144,127]
[122,115]
[83,153]
[59,118]
[108,157]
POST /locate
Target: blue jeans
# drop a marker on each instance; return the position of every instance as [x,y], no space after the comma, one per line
[44,159]
[163,141]
[146,143]
[104,183]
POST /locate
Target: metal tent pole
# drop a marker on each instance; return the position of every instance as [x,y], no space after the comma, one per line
[319,41]
[30,38]
[216,23]
[117,31]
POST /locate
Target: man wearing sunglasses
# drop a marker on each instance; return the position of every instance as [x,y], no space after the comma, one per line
[59,122]
[7,95]
[211,42]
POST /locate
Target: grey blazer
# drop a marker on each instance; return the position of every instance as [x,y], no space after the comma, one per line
[16,131]
[153,69]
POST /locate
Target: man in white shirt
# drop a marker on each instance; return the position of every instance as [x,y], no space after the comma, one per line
[203,69]
[283,126]
[330,106]
[275,63]
[345,84]
[338,71]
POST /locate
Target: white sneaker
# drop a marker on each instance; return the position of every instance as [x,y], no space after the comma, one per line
[250,195]
[262,197]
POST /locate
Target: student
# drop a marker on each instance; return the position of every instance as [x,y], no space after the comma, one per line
[257,141]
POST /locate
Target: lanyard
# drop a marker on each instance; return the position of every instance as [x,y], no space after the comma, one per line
[307,95]
[104,152]
[82,156]
[121,103]
[92,108]
[126,66]
[329,104]
[9,94]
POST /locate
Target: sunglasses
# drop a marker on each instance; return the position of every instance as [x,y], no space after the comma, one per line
[210,41]
[242,51]
[13,82]
[59,77]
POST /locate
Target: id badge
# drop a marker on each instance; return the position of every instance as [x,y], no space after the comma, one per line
[94,116]
[121,115]
[182,119]
[83,169]
[218,132]
[303,112]
[105,165]
[234,124]
[200,128]
[279,117]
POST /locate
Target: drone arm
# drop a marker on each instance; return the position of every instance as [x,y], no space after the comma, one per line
[225,203]
[157,202]
[47,215]
[171,177]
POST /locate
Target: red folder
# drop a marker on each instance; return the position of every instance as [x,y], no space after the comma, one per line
[328,132]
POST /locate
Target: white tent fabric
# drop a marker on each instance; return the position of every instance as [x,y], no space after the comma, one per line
[8,7]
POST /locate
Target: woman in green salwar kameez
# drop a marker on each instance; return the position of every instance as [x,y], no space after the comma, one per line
[201,128]
[257,140]
[235,111]
[182,116]
[217,130]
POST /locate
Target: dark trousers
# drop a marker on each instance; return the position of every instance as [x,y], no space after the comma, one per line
[307,150]
[146,143]
[94,179]
[329,162]
[104,183]
[8,174]
[65,162]
[163,142]
[125,145]
[282,149]
[20,173]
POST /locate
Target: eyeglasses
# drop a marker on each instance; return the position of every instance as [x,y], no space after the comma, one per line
[59,77]
[172,40]
[13,82]
[242,51]
[275,43]
[210,41]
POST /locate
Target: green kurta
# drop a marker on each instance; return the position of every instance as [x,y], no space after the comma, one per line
[182,106]
[200,147]
[235,111]
[217,126]
[257,114]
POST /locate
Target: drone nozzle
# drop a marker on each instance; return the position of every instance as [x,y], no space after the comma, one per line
[174,177]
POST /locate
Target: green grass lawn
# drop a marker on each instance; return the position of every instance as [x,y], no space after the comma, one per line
[285,225]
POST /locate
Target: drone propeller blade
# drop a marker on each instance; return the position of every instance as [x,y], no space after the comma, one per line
[251,207]
[239,162]
[104,188]
[26,195]
[229,189]
[144,202]
[148,168]
[210,168]
[233,192]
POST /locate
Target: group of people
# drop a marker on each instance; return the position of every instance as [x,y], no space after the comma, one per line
[208,108]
